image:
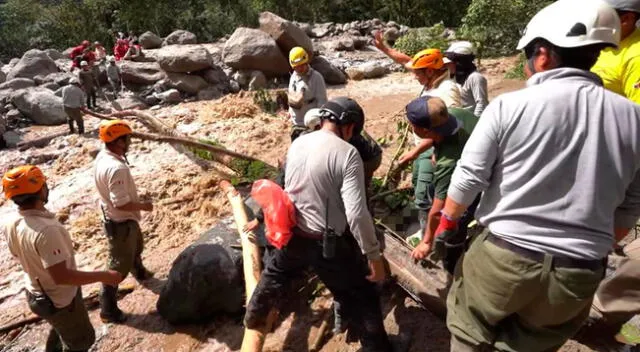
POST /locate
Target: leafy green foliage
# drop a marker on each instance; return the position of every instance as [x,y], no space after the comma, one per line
[498,24]
[265,101]
[518,71]
[422,38]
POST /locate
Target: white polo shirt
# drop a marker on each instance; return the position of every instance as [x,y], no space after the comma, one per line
[115,186]
[39,242]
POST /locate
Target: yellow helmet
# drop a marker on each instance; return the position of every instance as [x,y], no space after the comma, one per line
[298,56]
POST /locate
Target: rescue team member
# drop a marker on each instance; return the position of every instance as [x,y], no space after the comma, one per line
[619,67]
[559,174]
[306,90]
[77,53]
[114,76]
[472,84]
[88,84]
[121,208]
[431,119]
[428,66]
[45,251]
[73,100]
[324,178]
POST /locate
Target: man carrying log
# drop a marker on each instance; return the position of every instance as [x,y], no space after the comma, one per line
[121,208]
[325,180]
[45,251]
[561,181]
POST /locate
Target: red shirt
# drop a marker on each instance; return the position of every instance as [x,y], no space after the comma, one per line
[77,51]
[120,50]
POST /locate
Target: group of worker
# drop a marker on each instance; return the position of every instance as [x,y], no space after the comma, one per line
[45,251]
[550,171]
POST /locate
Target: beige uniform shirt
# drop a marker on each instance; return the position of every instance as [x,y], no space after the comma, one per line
[115,186]
[448,91]
[39,241]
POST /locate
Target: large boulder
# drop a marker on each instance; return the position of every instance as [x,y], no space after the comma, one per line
[59,78]
[257,81]
[129,103]
[34,62]
[171,96]
[205,280]
[332,74]
[215,75]
[253,49]
[40,105]
[190,84]
[285,33]
[144,73]
[367,71]
[55,54]
[322,29]
[18,83]
[149,40]
[180,37]
[184,58]
[3,77]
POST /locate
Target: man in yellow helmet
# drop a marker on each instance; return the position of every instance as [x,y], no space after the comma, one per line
[306,90]
[121,208]
[45,251]
[619,67]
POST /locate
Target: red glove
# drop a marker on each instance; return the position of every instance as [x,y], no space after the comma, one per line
[447,225]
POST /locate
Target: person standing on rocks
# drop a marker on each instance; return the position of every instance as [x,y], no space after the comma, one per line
[334,236]
[120,206]
[558,163]
[135,52]
[472,84]
[77,53]
[114,76]
[45,251]
[307,90]
[120,49]
[88,83]
[100,52]
[73,100]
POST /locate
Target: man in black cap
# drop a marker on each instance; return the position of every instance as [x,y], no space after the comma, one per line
[431,119]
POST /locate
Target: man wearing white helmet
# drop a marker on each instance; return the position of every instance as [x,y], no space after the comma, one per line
[114,76]
[88,83]
[73,100]
[558,164]
[619,67]
[472,84]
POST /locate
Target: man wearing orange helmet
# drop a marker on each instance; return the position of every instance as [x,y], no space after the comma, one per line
[45,251]
[121,208]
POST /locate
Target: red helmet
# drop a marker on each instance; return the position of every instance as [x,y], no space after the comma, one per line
[85,43]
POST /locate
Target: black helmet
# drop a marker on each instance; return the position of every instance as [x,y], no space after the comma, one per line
[344,111]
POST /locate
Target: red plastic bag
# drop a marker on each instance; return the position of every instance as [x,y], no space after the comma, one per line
[279,212]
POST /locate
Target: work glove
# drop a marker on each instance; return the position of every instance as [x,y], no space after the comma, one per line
[446,231]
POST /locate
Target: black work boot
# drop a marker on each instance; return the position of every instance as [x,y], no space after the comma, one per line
[53,343]
[109,312]
[139,271]
[72,130]
[339,324]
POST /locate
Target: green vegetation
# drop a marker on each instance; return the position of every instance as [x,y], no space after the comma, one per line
[518,71]
[26,24]
[265,101]
[421,38]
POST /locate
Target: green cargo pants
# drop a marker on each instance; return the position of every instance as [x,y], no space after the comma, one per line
[71,329]
[125,246]
[422,179]
[501,299]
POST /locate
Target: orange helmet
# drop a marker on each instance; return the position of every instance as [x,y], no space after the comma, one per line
[26,179]
[428,58]
[114,129]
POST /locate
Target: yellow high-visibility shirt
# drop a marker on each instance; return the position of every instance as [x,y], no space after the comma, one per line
[620,68]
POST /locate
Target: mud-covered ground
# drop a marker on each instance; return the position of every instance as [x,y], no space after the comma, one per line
[188,203]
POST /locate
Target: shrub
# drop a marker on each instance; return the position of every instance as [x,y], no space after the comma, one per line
[517,72]
[422,38]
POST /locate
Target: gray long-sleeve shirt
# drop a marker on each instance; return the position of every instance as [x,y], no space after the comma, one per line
[323,171]
[558,163]
[473,93]
[315,94]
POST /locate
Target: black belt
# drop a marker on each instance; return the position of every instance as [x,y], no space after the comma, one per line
[304,234]
[558,261]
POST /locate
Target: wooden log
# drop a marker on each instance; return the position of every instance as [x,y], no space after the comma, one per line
[316,345]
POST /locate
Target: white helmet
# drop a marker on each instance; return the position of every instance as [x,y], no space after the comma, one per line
[312,119]
[625,5]
[571,24]
[461,48]
[84,63]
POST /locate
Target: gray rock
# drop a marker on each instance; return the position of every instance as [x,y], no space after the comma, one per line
[171,96]
[190,84]
[321,30]
[145,73]
[205,279]
[211,93]
[8,107]
[40,105]
[332,75]
[13,62]
[129,103]
[18,83]
[34,62]
[51,86]
[392,34]
[152,100]
[13,115]
[285,33]
[39,79]
[11,138]
[367,70]
[376,22]
[3,77]
[149,40]
[393,24]
[344,43]
[258,81]
[180,37]
[184,58]
[234,86]
[55,54]
[346,27]
[215,75]
[360,43]
[242,77]
[305,27]
[67,52]
[252,49]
